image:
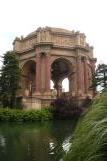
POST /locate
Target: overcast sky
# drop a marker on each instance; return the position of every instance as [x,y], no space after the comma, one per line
[20,17]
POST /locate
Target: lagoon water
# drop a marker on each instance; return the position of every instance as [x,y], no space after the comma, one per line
[39,141]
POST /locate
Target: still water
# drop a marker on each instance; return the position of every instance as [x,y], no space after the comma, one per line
[39,141]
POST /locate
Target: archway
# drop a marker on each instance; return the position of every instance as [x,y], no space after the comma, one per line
[29,78]
[60,69]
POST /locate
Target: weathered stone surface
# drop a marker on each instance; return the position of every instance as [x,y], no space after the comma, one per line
[54,54]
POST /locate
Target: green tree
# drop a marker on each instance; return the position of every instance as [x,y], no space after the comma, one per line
[9,79]
[101,76]
[94,83]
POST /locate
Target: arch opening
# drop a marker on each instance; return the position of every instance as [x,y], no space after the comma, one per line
[51,84]
[65,85]
[60,72]
[29,78]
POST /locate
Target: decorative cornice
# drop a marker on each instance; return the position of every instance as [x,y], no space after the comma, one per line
[75,47]
[49,44]
[52,30]
[53,38]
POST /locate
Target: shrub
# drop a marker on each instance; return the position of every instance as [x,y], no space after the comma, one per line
[7,114]
[64,108]
[89,141]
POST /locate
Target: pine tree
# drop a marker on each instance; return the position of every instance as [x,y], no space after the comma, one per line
[9,79]
[101,76]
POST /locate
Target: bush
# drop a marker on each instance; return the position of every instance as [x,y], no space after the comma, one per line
[89,142]
[65,109]
[7,114]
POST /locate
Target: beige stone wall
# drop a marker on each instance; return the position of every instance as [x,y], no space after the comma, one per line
[31,103]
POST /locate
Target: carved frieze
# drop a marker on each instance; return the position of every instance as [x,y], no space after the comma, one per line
[61,38]
[62,41]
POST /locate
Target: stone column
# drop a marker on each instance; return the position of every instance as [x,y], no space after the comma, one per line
[59,91]
[85,75]
[73,80]
[58,87]
[79,76]
[48,73]
[93,61]
[38,73]
[43,72]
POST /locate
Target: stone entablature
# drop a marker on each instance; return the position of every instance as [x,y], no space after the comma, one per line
[54,36]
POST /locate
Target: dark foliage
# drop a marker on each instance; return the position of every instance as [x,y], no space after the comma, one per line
[65,109]
[9,79]
[100,77]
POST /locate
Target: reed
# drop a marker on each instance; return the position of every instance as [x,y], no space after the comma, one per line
[89,141]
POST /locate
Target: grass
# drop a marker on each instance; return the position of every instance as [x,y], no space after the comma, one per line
[89,141]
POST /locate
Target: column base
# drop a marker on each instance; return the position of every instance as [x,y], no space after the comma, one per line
[43,95]
[37,94]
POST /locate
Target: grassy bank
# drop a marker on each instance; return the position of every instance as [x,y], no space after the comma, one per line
[20,115]
[89,141]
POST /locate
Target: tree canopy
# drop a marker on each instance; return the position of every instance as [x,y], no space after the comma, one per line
[9,79]
[99,78]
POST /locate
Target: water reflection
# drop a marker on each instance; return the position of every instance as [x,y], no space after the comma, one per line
[66,144]
[46,141]
[2,141]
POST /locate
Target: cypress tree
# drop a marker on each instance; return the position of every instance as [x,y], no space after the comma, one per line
[9,79]
[101,76]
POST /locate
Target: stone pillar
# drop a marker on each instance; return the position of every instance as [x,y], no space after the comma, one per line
[93,61]
[58,87]
[85,75]
[79,76]
[59,91]
[73,80]
[48,73]
[38,73]
[43,72]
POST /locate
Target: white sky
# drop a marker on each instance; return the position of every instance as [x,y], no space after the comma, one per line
[20,17]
